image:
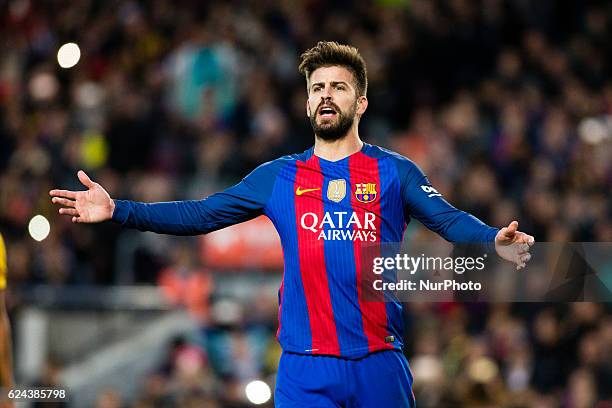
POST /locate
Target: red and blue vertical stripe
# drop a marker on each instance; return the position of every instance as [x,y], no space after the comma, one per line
[322,308]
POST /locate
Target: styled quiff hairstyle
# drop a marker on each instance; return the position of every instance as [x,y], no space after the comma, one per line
[330,53]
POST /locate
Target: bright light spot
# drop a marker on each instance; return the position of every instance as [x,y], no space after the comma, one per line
[258,392]
[39,228]
[68,55]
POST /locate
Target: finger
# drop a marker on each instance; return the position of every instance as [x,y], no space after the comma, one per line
[525,258]
[511,229]
[522,248]
[503,237]
[524,238]
[68,211]
[84,179]
[63,193]
[63,201]
[76,219]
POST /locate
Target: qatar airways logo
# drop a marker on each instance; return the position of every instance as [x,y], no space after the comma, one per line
[341,226]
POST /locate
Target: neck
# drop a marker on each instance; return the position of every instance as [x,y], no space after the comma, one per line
[334,150]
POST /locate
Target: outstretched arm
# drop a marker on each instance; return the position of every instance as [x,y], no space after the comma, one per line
[423,202]
[244,201]
[426,204]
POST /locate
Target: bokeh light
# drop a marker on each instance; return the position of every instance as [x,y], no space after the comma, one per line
[68,55]
[39,228]
[258,392]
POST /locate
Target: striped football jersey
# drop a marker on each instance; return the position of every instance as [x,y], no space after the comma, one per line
[325,213]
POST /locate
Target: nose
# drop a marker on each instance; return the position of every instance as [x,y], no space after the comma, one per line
[325,100]
[326,94]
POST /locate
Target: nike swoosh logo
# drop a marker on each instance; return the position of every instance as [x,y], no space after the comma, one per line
[299,190]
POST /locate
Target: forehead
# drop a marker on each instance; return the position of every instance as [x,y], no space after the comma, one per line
[332,74]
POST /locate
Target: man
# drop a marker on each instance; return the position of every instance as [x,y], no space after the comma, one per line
[326,203]
[6,358]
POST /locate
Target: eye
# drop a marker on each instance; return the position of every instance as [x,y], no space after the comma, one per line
[316,88]
[340,87]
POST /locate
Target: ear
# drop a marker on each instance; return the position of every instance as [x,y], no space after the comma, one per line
[307,108]
[362,105]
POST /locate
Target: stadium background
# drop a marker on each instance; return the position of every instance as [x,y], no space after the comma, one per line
[505,104]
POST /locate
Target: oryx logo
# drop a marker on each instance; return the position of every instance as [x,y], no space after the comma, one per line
[431,192]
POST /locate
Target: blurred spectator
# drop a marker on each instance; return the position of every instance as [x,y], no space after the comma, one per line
[184,283]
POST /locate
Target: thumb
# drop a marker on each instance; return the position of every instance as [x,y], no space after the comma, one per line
[511,229]
[84,179]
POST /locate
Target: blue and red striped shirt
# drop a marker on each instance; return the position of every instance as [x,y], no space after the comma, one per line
[325,213]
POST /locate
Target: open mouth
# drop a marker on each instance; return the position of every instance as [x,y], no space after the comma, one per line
[327,112]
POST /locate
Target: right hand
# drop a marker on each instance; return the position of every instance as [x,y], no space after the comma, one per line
[92,205]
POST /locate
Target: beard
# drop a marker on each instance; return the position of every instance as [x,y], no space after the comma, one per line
[335,129]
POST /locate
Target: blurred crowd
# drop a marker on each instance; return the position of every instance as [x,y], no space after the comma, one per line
[505,104]
[461,355]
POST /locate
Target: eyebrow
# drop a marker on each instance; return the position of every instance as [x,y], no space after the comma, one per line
[333,83]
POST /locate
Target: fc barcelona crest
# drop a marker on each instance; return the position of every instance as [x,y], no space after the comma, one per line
[336,190]
[365,192]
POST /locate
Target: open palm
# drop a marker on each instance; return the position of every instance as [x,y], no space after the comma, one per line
[91,205]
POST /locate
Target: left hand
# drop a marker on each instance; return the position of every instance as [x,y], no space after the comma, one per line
[513,245]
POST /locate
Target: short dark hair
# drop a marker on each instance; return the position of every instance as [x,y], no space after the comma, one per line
[330,53]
